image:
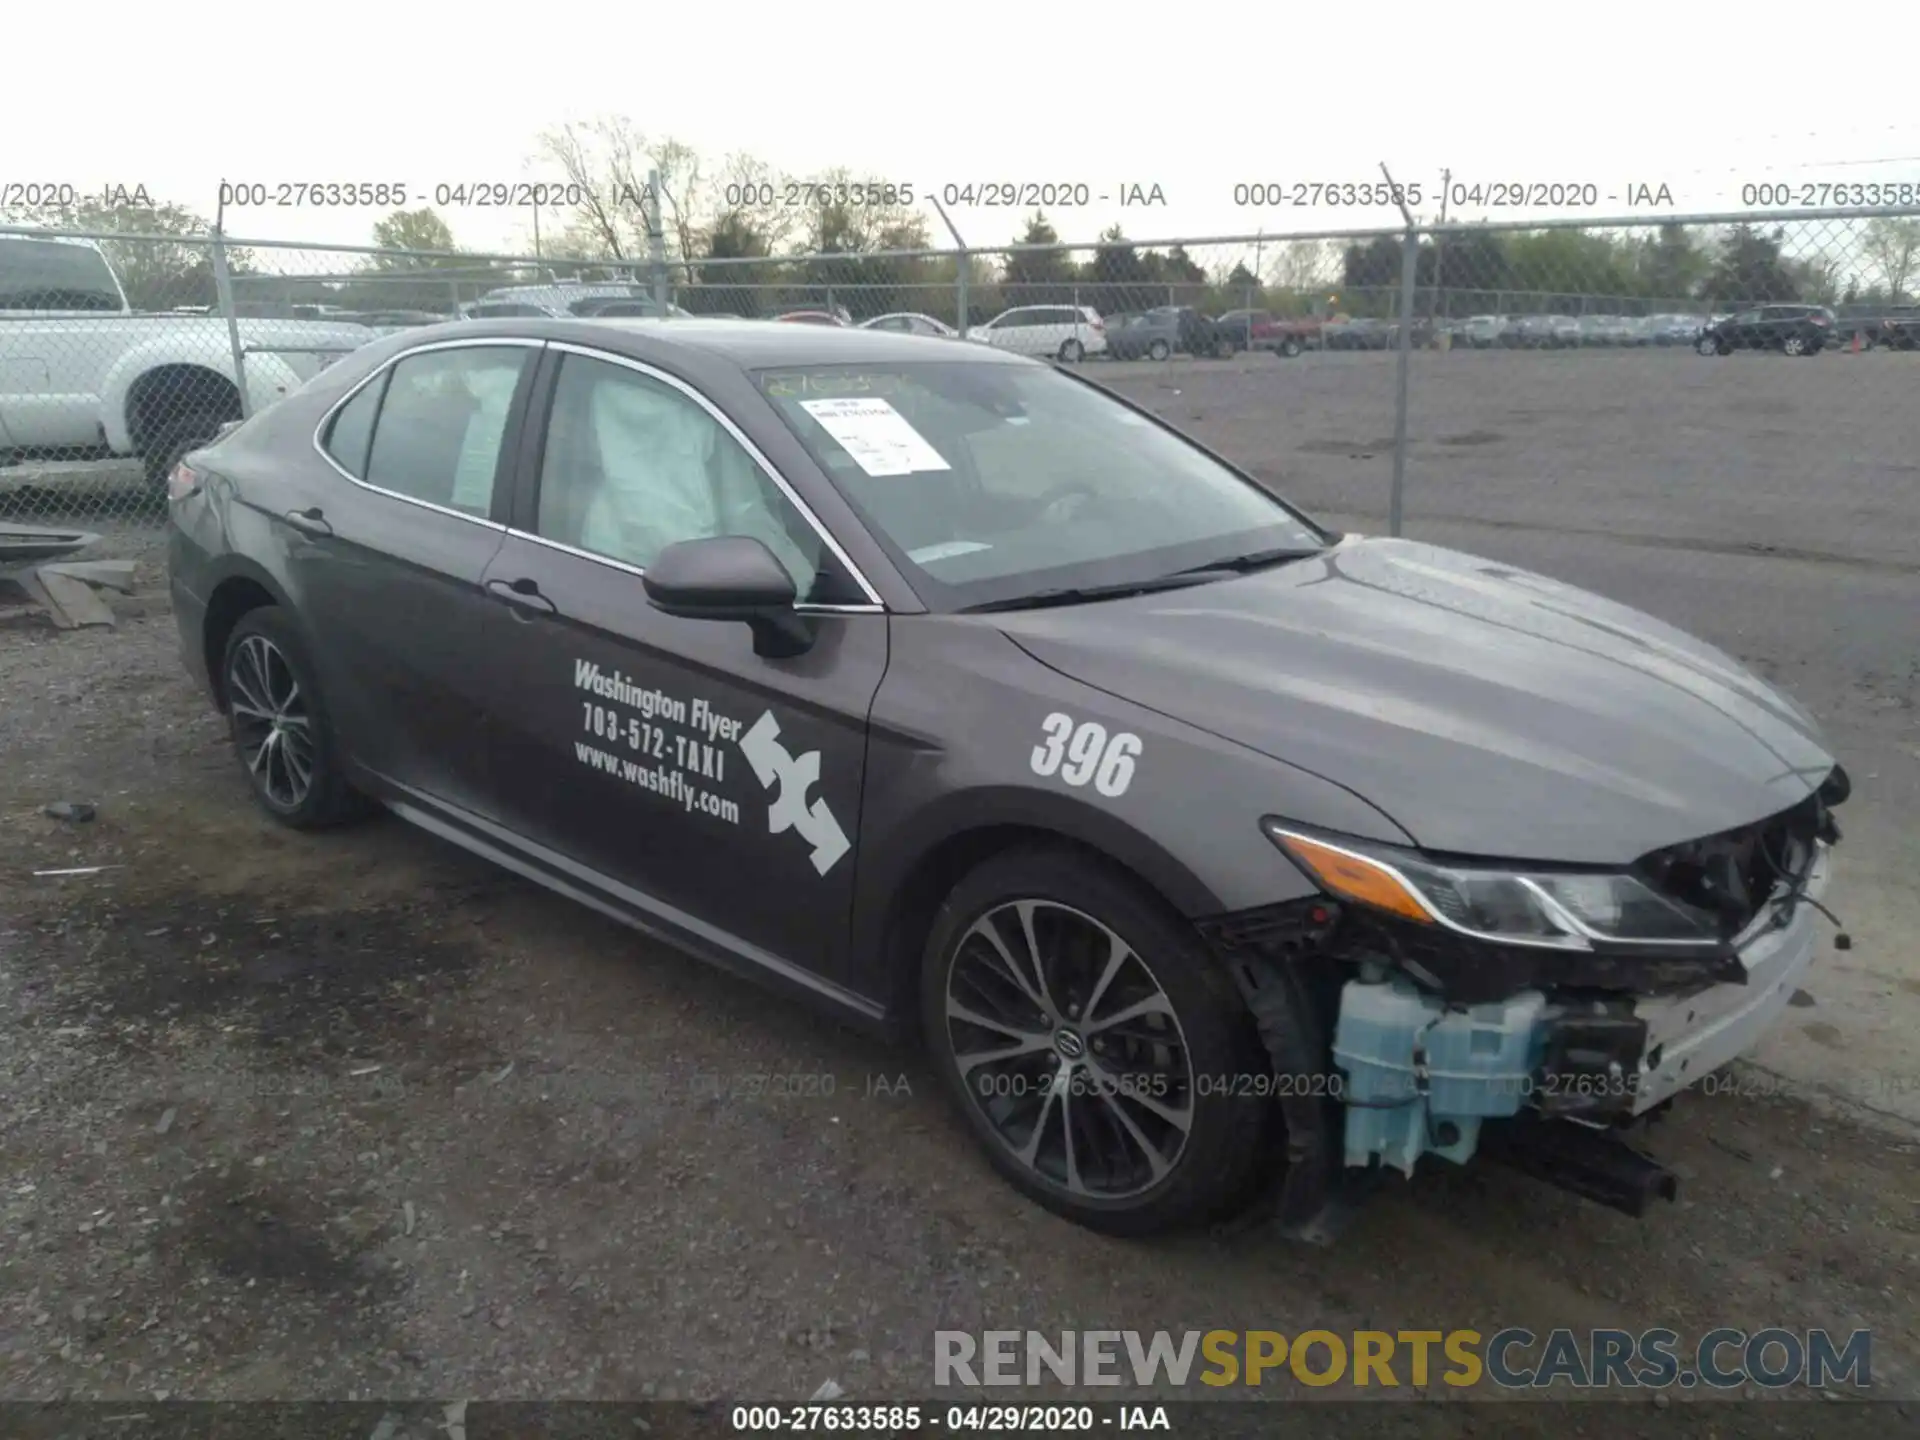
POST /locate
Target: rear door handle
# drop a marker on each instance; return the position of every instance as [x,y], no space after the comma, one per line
[309,521]
[522,594]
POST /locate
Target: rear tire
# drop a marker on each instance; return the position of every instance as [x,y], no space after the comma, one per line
[1794,345]
[1707,345]
[1072,352]
[1158,350]
[1290,347]
[1148,1135]
[280,725]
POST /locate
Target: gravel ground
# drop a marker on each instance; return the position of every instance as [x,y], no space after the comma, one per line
[356,1115]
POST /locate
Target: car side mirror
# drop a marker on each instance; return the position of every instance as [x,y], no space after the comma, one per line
[731,577]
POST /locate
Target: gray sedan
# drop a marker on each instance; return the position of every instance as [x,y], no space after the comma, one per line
[1217,859]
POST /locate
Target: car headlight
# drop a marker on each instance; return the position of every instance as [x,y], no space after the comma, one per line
[1551,909]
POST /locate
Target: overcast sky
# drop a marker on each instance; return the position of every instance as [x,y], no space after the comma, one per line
[1699,97]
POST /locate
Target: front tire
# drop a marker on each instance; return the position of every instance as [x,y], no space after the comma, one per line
[1158,350]
[1090,1041]
[1707,345]
[280,727]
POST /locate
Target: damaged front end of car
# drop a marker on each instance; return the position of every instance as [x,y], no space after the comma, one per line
[1530,1013]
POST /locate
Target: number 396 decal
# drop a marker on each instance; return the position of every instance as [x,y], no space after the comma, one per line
[1083,752]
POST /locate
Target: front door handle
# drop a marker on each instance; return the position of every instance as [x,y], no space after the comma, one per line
[522,594]
[309,521]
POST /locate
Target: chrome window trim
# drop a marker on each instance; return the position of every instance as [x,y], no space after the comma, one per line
[804,608]
[465,342]
[874,605]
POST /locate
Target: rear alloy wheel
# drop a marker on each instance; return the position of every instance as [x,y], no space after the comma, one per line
[280,727]
[1290,347]
[1158,350]
[1072,352]
[1087,1037]
[1707,345]
[1794,345]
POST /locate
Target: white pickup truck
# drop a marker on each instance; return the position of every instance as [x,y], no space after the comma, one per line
[81,370]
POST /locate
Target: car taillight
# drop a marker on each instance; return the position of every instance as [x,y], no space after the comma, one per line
[1097,323]
[182,482]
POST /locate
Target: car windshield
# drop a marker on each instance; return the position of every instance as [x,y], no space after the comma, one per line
[994,483]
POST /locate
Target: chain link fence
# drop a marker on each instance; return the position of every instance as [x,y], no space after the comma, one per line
[1737,379]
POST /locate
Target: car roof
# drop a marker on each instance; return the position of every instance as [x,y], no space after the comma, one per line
[750,344]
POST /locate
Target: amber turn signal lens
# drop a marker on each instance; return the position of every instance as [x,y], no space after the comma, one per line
[1354,877]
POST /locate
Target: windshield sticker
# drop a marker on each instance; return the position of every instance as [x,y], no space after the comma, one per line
[946,550]
[1085,751]
[876,435]
[836,383]
[679,750]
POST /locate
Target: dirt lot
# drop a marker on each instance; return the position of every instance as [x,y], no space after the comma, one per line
[355,1115]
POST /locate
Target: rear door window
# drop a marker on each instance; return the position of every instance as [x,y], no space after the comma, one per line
[440,427]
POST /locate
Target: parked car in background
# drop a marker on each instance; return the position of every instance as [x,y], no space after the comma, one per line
[1591,330]
[1790,329]
[1483,332]
[1158,333]
[81,369]
[811,317]
[1263,330]
[1363,333]
[911,322]
[1564,330]
[560,307]
[1901,330]
[397,319]
[1611,330]
[1876,325]
[1671,329]
[627,307]
[1066,332]
[1530,332]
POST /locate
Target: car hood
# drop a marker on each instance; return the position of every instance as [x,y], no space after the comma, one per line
[1488,711]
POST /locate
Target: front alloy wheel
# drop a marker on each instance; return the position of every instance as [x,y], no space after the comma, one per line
[1088,1038]
[1070,1049]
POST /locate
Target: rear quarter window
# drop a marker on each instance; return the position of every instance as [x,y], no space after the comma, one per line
[350,435]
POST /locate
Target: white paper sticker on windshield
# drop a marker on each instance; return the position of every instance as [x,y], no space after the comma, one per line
[876,435]
[946,550]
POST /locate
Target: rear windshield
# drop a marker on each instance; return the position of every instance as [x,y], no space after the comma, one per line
[988,482]
[55,275]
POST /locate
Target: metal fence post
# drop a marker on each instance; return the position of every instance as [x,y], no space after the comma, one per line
[656,240]
[223,295]
[963,262]
[1409,263]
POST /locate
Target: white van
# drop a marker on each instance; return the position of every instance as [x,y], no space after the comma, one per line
[1071,332]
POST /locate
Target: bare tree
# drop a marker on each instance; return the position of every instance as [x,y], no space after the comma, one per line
[605,164]
[1302,265]
[751,196]
[1894,248]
